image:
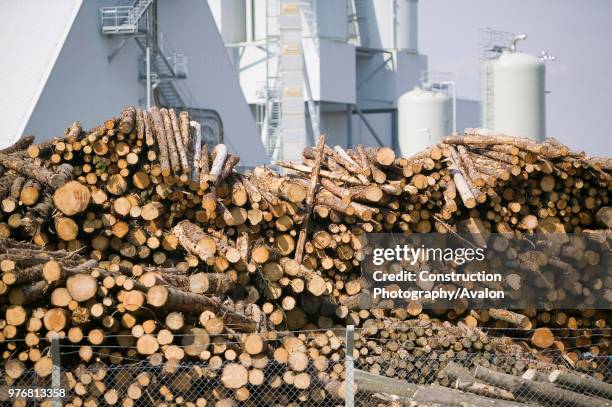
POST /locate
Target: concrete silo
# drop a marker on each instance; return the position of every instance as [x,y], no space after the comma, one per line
[424,118]
[519,94]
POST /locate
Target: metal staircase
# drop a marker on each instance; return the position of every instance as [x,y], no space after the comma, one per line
[309,12]
[271,128]
[291,77]
[281,114]
[167,67]
[354,36]
[493,42]
[122,20]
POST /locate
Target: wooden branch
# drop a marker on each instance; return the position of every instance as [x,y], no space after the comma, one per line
[310,195]
[175,161]
[197,151]
[525,389]
[162,144]
[220,155]
[178,139]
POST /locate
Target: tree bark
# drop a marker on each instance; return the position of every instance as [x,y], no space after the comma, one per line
[525,389]
[127,120]
[175,161]
[580,383]
[314,179]
[162,144]
[178,139]
[196,150]
[176,300]
[220,155]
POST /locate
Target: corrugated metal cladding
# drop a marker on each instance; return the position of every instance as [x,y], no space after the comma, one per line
[32,34]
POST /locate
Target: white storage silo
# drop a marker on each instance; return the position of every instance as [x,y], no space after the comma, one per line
[519,99]
[424,118]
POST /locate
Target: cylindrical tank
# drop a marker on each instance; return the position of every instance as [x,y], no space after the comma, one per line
[388,23]
[258,18]
[424,118]
[406,25]
[519,101]
[230,16]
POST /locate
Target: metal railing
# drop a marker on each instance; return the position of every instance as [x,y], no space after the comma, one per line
[271,129]
[354,33]
[115,17]
[123,19]
[492,44]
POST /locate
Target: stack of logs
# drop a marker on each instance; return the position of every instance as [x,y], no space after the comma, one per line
[148,245]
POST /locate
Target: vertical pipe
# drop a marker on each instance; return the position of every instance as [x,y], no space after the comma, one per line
[349,397]
[394,137]
[250,21]
[414,29]
[454,96]
[154,21]
[395,23]
[318,118]
[266,135]
[454,109]
[55,373]
[349,125]
[148,61]
[451,85]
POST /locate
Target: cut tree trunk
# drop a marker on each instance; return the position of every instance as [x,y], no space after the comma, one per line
[314,179]
[525,389]
[581,383]
[176,300]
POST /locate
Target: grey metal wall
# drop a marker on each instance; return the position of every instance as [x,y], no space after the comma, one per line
[190,27]
[468,114]
[85,86]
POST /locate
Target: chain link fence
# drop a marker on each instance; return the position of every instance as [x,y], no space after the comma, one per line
[447,378]
[323,374]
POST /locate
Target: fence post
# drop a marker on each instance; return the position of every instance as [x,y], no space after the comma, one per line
[55,374]
[349,393]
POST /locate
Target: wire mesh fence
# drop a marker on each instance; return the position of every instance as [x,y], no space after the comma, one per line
[198,384]
[312,369]
[436,378]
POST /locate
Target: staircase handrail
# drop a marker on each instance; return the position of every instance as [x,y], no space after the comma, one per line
[115,16]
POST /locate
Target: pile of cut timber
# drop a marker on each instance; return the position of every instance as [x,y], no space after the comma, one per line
[148,245]
[482,386]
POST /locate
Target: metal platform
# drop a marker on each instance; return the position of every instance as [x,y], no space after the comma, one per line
[123,20]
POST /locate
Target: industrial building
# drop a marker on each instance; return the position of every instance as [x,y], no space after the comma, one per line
[335,66]
[87,59]
[263,76]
